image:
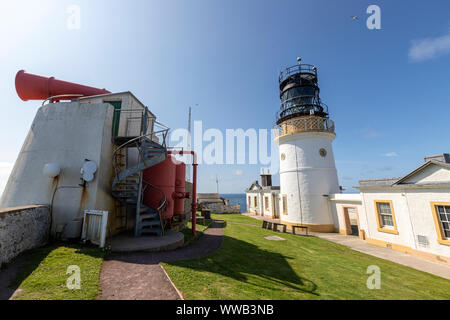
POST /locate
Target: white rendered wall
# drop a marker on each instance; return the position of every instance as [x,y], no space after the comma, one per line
[65,134]
[413,216]
[306,176]
[339,202]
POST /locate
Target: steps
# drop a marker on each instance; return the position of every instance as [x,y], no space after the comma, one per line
[128,186]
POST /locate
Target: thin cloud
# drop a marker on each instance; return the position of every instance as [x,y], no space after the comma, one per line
[429,48]
[5,170]
[370,133]
[238,172]
[391,154]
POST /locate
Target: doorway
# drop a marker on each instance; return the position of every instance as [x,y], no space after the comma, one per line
[351,221]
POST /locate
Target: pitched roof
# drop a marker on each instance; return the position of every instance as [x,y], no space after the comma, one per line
[422,167]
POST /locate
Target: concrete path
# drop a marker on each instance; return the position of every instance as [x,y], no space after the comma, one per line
[357,244]
[405,259]
[139,276]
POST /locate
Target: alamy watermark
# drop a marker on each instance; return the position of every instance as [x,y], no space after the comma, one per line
[74,280]
[74,19]
[374,280]
[230,146]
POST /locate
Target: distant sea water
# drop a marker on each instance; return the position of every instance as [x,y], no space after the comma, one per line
[236,198]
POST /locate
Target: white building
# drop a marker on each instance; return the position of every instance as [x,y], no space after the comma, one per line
[264,200]
[409,214]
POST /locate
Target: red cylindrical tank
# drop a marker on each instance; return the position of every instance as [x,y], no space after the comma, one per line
[34,87]
[163,176]
[180,186]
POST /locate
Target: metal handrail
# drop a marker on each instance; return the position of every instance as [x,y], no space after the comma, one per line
[299,68]
[303,124]
[61,96]
[135,140]
[163,204]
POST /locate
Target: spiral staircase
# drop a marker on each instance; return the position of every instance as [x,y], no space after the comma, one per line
[128,186]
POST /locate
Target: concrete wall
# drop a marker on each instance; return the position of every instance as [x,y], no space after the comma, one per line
[65,134]
[22,228]
[306,176]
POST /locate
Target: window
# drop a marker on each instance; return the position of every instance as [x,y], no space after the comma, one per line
[266,203]
[255,202]
[441,215]
[249,201]
[284,197]
[444,217]
[385,216]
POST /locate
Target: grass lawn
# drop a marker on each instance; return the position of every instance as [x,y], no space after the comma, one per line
[44,275]
[250,267]
[187,232]
[237,218]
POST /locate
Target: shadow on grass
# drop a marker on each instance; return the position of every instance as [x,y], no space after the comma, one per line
[15,272]
[237,259]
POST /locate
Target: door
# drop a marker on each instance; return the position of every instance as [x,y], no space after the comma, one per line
[116,117]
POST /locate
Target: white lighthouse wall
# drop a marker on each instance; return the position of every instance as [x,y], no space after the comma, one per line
[307,178]
[65,134]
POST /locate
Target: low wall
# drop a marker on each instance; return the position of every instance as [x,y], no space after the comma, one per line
[22,228]
[222,208]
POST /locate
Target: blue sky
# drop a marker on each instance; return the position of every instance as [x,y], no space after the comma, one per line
[387,90]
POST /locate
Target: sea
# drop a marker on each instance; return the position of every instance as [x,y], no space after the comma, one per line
[236,198]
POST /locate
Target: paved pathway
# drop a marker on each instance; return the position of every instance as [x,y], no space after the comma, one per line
[138,276]
[357,244]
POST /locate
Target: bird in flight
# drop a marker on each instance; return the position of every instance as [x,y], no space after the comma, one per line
[354,17]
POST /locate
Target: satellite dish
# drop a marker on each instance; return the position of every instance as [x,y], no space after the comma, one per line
[88,170]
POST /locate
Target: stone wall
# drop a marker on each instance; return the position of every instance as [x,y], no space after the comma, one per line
[22,228]
[221,208]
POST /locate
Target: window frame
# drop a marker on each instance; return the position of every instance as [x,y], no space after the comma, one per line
[380,227]
[441,238]
[284,203]
[266,203]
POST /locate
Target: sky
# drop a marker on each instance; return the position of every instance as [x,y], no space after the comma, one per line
[387,89]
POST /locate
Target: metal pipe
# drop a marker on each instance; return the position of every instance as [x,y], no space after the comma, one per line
[194,185]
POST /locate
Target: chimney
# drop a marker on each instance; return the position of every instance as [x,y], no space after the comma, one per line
[266,178]
[444,157]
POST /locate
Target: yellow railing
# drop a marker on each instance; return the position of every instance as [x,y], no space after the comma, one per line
[305,124]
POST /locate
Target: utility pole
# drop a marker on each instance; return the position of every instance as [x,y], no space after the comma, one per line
[188,177]
[217,183]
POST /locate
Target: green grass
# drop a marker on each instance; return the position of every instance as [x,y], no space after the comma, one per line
[237,218]
[44,275]
[188,237]
[250,267]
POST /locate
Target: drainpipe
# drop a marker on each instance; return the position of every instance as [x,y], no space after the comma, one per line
[194,185]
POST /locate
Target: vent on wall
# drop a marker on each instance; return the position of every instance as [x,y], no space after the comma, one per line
[422,240]
[94,226]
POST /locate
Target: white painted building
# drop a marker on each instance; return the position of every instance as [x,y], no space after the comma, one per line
[264,200]
[409,214]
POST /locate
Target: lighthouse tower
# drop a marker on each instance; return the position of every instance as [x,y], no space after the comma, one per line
[307,168]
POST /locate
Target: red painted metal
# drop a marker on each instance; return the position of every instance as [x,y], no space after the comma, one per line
[194,186]
[180,188]
[34,87]
[163,176]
